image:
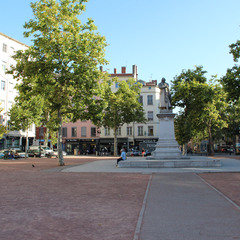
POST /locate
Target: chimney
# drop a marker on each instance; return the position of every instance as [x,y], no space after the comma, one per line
[123,69]
[134,71]
[115,71]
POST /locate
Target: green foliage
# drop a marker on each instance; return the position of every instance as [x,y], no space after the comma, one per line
[231,81]
[3,128]
[203,106]
[62,64]
[122,106]
[25,112]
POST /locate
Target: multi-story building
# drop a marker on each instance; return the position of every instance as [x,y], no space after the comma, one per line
[131,135]
[81,137]
[8,46]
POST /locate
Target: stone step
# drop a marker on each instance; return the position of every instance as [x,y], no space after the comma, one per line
[188,163]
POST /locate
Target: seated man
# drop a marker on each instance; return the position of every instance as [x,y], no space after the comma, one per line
[123,156]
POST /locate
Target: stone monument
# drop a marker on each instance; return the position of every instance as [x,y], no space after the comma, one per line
[167,146]
[167,153]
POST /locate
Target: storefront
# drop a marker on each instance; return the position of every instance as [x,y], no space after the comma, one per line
[80,146]
[107,145]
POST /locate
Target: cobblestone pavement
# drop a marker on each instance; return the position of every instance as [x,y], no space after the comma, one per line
[38,203]
[51,205]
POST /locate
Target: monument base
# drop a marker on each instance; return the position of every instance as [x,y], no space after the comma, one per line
[178,163]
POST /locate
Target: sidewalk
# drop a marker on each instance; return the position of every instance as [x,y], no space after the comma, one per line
[183,207]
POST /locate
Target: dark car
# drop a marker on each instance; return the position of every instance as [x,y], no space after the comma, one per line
[147,153]
[34,153]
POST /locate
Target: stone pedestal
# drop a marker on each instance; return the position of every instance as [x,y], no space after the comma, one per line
[167,153]
[167,146]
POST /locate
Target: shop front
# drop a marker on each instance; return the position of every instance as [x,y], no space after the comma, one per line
[107,145]
[80,146]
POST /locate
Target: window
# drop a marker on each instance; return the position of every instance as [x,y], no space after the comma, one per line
[83,131]
[10,87]
[4,66]
[150,130]
[140,99]
[93,132]
[41,132]
[150,99]
[129,131]
[150,115]
[3,85]
[4,48]
[64,132]
[116,85]
[140,131]
[74,131]
[107,131]
[119,131]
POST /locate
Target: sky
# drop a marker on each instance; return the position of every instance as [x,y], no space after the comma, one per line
[161,37]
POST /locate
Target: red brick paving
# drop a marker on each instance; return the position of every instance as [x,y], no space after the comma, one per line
[51,205]
[227,183]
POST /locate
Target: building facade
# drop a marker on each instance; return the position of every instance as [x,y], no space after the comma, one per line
[135,134]
[81,137]
[8,46]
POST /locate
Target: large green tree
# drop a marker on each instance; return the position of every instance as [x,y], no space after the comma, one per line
[187,89]
[123,106]
[203,106]
[62,64]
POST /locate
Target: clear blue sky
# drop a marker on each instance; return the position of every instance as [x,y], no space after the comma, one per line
[160,37]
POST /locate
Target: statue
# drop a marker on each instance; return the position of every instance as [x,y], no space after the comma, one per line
[165,96]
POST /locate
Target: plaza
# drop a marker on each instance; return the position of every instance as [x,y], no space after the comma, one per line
[89,198]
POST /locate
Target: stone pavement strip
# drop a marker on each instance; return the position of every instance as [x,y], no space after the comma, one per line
[180,206]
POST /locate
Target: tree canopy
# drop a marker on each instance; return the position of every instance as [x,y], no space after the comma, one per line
[123,106]
[202,104]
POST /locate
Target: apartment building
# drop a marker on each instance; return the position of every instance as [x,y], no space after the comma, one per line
[8,46]
[132,135]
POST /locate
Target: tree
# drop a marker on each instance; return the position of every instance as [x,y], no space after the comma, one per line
[24,113]
[3,128]
[204,105]
[187,90]
[123,106]
[62,64]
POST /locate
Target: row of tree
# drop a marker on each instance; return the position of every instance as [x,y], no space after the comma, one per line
[59,80]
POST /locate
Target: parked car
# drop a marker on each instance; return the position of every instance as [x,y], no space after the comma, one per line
[55,154]
[20,154]
[46,151]
[34,153]
[2,154]
[147,153]
[134,153]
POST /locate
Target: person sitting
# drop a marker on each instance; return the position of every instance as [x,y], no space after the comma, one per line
[123,156]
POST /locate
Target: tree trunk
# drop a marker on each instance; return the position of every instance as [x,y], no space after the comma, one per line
[60,155]
[184,150]
[115,142]
[26,146]
[47,133]
[210,141]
